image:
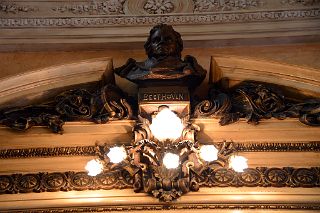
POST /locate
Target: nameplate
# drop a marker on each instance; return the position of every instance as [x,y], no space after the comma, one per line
[163,95]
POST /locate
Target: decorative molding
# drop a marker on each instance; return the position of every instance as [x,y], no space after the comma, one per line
[13,8]
[201,6]
[158,6]
[106,7]
[67,181]
[236,17]
[278,147]
[301,2]
[255,101]
[90,150]
[48,152]
[142,208]
[101,105]
[119,179]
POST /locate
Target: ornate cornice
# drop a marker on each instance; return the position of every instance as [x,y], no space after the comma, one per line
[289,206]
[213,18]
[90,150]
[222,177]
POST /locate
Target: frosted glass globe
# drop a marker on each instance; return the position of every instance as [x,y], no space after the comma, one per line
[171,161]
[238,163]
[208,153]
[166,125]
[117,154]
[94,167]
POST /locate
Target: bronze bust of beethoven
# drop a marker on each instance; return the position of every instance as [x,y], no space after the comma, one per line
[164,65]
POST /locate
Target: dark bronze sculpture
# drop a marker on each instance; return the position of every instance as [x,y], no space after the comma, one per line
[164,65]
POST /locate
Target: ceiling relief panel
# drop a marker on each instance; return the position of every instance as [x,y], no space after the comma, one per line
[77,21]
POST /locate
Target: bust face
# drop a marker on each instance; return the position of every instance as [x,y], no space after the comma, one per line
[163,43]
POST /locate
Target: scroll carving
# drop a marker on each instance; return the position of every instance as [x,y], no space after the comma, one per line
[254,102]
[100,106]
[119,179]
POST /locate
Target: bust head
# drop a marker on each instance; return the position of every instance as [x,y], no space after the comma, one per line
[163,41]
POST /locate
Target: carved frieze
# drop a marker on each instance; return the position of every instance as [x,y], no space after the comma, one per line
[301,2]
[91,150]
[158,6]
[14,8]
[186,207]
[106,7]
[236,17]
[218,5]
[222,177]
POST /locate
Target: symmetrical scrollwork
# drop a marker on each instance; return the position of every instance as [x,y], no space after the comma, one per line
[105,104]
[63,181]
[254,102]
[218,177]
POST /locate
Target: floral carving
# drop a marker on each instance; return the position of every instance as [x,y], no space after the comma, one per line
[13,8]
[250,177]
[276,176]
[5,183]
[54,181]
[220,177]
[223,176]
[301,2]
[158,6]
[28,182]
[305,177]
[225,5]
[81,180]
[107,180]
[106,7]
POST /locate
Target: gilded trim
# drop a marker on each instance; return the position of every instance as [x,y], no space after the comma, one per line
[313,146]
[288,206]
[221,177]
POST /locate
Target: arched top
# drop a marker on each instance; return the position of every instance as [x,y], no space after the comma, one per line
[236,69]
[36,85]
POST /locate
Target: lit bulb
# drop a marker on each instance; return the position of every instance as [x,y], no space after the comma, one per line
[117,154]
[94,167]
[238,163]
[166,125]
[171,161]
[208,153]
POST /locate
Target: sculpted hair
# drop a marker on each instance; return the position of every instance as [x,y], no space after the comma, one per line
[168,28]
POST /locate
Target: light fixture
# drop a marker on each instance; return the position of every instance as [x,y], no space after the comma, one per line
[171,161]
[166,125]
[94,167]
[208,153]
[238,163]
[171,165]
[117,154]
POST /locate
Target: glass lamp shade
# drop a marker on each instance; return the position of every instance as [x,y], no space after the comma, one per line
[171,161]
[208,153]
[94,167]
[166,125]
[117,154]
[238,163]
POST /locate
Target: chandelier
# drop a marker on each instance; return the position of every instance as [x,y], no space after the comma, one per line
[165,158]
